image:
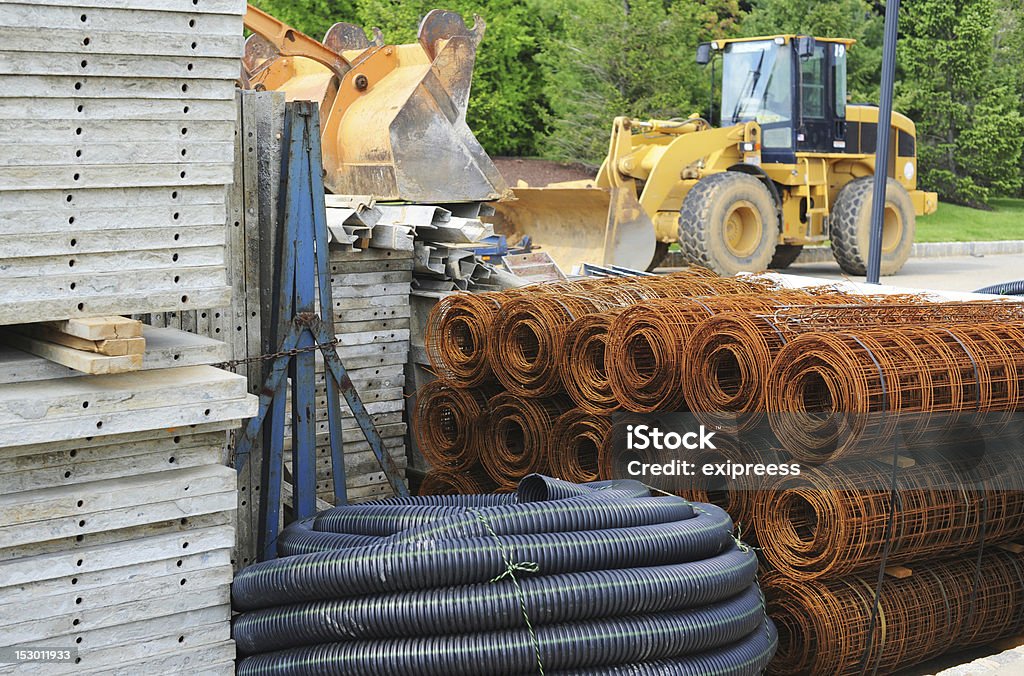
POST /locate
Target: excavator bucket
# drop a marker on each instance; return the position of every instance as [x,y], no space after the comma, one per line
[577,225]
[393,117]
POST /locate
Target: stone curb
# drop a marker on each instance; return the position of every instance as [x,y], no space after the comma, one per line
[823,254]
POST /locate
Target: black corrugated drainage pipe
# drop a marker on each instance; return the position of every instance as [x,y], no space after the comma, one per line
[597,578]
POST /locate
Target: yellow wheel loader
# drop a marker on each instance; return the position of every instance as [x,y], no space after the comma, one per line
[392,117]
[791,165]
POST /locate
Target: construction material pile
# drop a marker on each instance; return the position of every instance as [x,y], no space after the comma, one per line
[119,515]
[900,410]
[115,149]
[558,578]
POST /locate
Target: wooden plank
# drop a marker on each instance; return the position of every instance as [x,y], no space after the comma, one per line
[98,328]
[165,348]
[111,347]
[79,360]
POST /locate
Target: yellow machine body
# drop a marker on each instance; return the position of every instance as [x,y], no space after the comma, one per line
[393,117]
[635,200]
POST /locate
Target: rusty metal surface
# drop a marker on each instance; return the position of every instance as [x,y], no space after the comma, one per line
[824,626]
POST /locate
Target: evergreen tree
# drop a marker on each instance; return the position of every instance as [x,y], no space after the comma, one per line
[637,58]
[967,109]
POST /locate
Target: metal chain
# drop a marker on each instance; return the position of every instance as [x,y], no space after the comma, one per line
[233,364]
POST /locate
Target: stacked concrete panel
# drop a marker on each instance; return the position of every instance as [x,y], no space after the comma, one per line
[119,514]
[117,123]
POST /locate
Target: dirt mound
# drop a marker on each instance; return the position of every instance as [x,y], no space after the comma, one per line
[540,172]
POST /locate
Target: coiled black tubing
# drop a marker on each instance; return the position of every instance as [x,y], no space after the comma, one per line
[558,578]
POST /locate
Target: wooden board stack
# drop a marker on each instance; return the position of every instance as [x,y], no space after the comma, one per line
[94,345]
[118,510]
[117,119]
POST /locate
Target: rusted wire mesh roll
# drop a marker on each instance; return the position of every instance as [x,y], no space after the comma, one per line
[459,324]
[646,346]
[467,481]
[456,336]
[834,520]
[582,363]
[577,444]
[516,435]
[825,626]
[528,333]
[839,394]
[730,355]
[738,495]
[448,422]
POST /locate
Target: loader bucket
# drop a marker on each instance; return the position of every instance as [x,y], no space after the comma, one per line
[605,226]
[392,117]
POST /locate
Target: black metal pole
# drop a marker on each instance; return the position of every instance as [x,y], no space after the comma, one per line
[892,10]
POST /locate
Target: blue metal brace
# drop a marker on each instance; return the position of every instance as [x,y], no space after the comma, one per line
[303,269]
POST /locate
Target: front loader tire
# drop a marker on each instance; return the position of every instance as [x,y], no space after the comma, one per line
[850,227]
[728,223]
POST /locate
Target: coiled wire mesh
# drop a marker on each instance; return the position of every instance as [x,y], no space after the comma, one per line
[833,520]
[470,480]
[855,392]
[577,445]
[731,355]
[447,423]
[825,626]
[516,435]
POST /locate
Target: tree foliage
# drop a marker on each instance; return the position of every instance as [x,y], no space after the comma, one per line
[552,74]
[967,110]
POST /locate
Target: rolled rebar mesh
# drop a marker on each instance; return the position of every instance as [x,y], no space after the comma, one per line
[855,392]
[577,444]
[730,355]
[582,364]
[458,326]
[833,520]
[516,435]
[825,626]
[646,347]
[468,480]
[448,423]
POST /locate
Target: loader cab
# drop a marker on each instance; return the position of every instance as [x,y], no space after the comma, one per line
[793,86]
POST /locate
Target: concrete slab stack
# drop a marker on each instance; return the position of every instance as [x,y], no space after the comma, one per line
[117,122]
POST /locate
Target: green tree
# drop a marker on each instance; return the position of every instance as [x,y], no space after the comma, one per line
[606,58]
[967,107]
[312,17]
